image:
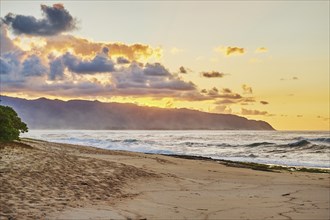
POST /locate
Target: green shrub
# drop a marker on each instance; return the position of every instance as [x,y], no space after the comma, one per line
[10,124]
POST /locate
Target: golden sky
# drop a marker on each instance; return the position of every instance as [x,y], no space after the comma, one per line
[261,60]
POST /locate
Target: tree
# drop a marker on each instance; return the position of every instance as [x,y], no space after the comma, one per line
[10,124]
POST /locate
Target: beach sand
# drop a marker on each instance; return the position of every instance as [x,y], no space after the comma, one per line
[42,180]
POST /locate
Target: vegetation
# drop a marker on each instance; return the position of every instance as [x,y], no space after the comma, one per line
[10,125]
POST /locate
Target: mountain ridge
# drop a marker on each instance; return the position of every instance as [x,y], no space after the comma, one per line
[43,113]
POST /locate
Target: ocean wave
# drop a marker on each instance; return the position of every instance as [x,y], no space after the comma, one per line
[299,148]
[257,144]
[325,140]
[130,140]
[300,143]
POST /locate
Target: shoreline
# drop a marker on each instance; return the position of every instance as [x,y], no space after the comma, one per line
[231,163]
[43,179]
[252,165]
[298,150]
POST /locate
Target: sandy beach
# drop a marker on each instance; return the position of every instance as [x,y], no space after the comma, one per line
[43,180]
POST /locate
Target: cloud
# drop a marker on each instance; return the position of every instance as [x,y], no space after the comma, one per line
[10,63]
[225,101]
[213,74]
[135,80]
[230,96]
[56,20]
[226,90]
[299,116]
[32,66]
[85,47]
[253,112]
[261,50]
[5,67]
[225,94]
[65,65]
[222,109]
[56,69]
[247,100]
[264,102]
[234,50]
[122,60]
[99,64]
[229,51]
[6,43]
[152,76]
[247,89]
[182,70]
[156,70]
[75,75]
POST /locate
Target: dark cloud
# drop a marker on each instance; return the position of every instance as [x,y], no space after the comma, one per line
[213,74]
[215,89]
[182,70]
[253,112]
[32,66]
[294,78]
[5,67]
[264,102]
[224,94]
[226,90]
[16,67]
[299,116]
[213,92]
[150,77]
[99,64]
[234,50]
[156,69]
[10,63]
[56,69]
[174,84]
[55,21]
[122,60]
[105,50]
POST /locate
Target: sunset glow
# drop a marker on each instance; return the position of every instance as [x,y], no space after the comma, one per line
[261,60]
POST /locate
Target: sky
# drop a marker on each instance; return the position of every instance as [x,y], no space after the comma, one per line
[263,60]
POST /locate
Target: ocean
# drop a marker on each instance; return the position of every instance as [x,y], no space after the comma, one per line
[288,148]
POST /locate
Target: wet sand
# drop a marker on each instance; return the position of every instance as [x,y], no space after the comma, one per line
[42,180]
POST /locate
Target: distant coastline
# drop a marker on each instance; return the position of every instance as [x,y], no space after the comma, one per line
[94,115]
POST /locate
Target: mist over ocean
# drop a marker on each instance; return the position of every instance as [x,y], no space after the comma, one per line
[303,148]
